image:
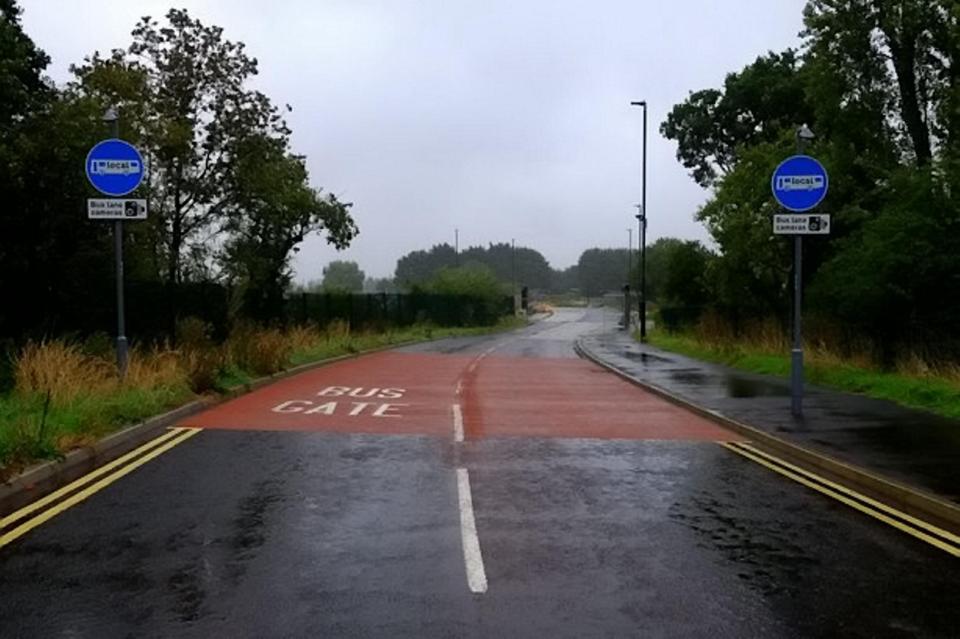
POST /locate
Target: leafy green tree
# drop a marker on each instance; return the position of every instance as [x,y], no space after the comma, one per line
[271,211]
[897,279]
[50,254]
[379,285]
[878,81]
[902,52]
[417,267]
[685,284]
[526,266]
[602,271]
[478,296]
[755,106]
[22,87]
[182,88]
[658,256]
[565,280]
[343,277]
[470,279]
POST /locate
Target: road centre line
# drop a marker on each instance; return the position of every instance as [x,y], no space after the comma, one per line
[473,365]
[472,558]
[457,423]
[74,485]
[888,515]
[182,435]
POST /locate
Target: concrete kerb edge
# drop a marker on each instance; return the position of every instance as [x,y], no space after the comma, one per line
[44,478]
[895,494]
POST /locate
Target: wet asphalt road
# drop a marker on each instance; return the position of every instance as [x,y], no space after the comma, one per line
[916,447]
[240,533]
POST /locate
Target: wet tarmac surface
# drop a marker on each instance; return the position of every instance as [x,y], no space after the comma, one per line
[915,447]
[300,533]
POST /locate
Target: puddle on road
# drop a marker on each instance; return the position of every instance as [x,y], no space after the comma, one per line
[689,376]
[646,358]
[740,387]
[731,385]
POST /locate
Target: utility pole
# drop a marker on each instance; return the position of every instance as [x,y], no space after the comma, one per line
[113,120]
[456,245]
[642,221]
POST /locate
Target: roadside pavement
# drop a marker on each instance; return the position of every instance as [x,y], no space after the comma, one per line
[912,447]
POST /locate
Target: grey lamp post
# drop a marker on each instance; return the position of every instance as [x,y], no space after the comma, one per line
[642,221]
[111,117]
[804,137]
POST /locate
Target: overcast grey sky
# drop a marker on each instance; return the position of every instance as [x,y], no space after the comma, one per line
[505,119]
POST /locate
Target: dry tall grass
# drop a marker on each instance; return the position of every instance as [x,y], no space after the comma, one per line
[825,344]
[67,373]
[306,338]
[61,369]
[259,351]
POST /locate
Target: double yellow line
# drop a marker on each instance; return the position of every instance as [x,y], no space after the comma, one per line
[942,539]
[21,522]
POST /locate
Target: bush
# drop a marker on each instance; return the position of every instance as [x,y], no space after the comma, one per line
[678,318]
[193,332]
[469,295]
[259,351]
[200,357]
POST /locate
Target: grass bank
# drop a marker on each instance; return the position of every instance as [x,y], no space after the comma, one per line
[913,383]
[67,395]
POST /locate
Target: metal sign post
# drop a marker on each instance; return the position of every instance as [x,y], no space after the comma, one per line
[115,168]
[799,184]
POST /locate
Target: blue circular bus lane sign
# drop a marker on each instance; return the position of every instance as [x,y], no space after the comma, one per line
[800,183]
[114,167]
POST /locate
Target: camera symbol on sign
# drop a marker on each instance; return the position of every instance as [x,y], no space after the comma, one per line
[131,209]
[814,223]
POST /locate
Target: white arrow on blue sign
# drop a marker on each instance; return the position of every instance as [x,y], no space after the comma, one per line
[800,183]
[114,167]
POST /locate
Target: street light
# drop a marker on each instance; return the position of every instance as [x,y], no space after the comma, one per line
[110,115]
[804,137]
[642,222]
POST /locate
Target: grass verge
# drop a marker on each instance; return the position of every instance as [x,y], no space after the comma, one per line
[66,397]
[913,384]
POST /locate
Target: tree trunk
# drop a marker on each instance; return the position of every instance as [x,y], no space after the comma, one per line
[176,231]
[903,50]
[176,242]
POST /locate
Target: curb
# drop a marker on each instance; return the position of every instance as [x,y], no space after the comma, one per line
[905,498]
[46,477]
[42,479]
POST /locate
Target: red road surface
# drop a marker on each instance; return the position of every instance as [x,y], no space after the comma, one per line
[413,393]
